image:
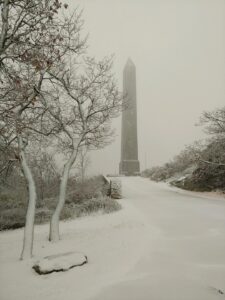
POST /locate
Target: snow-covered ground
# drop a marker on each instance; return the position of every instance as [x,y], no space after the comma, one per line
[185,257]
[165,244]
[113,244]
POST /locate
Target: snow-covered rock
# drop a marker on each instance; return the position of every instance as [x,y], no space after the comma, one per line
[60,262]
[116,188]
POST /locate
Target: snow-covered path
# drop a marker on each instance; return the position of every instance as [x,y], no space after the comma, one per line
[185,254]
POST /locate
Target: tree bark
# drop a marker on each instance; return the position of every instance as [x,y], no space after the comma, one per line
[5,24]
[54,223]
[30,215]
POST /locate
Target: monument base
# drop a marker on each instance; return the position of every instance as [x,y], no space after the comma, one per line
[130,167]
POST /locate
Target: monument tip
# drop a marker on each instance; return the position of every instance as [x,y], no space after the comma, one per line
[130,62]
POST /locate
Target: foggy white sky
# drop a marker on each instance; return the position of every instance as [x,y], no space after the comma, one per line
[178,47]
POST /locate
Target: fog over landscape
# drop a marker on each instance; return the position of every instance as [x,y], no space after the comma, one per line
[178,48]
[90,216]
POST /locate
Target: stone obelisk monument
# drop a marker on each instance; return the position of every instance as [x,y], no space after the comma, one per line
[129,164]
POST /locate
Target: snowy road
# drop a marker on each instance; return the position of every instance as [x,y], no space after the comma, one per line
[185,253]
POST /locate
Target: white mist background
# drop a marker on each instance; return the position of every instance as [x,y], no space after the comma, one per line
[178,47]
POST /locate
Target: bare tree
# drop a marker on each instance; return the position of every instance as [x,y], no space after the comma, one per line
[34,39]
[214,123]
[83,162]
[93,100]
[45,172]
[19,115]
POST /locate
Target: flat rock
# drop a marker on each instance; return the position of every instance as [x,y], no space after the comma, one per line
[60,262]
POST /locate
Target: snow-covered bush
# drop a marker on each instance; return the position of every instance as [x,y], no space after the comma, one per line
[116,188]
[91,187]
[83,199]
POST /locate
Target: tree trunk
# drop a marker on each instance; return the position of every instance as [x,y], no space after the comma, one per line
[30,215]
[82,171]
[54,223]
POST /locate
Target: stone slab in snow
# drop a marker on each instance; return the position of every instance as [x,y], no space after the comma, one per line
[60,262]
